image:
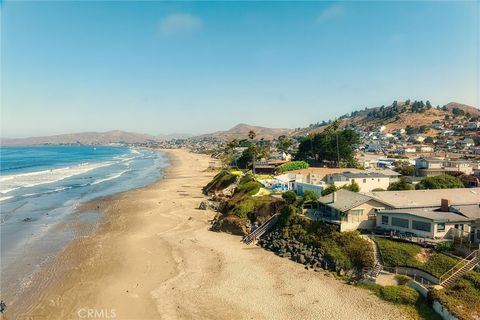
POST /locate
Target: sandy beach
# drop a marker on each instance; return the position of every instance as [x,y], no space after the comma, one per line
[153,257]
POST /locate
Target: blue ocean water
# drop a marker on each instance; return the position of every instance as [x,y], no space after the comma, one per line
[40,189]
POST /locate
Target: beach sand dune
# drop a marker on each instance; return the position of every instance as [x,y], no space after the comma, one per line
[154,257]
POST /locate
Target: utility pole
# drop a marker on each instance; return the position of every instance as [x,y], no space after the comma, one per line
[338,152]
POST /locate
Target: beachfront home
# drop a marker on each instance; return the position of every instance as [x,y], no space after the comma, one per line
[434,223]
[436,214]
[347,210]
[441,213]
[366,180]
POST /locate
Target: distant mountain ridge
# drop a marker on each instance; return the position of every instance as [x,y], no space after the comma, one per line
[399,114]
[86,138]
[240,131]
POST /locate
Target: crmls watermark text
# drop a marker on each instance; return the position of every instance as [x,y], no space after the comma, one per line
[94,313]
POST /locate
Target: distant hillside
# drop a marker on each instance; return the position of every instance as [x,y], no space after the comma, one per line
[87,138]
[240,131]
[399,114]
[465,108]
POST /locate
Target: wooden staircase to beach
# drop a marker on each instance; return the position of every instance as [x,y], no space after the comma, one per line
[378,266]
[467,264]
[257,233]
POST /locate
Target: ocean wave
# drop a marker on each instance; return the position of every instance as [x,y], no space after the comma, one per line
[3,198]
[135,151]
[13,182]
[115,176]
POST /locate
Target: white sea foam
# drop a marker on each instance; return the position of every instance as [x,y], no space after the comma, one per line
[115,176]
[13,182]
[3,198]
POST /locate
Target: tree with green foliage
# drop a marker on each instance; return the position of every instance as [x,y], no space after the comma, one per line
[309,195]
[404,168]
[329,146]
[331,188]
[457,112]
[354,187]
[443,181]
[246,157]
[284,143]
[287,214]
[289,196]
[428,140]
[401,184]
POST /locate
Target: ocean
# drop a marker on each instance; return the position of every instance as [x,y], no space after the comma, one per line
[41,189]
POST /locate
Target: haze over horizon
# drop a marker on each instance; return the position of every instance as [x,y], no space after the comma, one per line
[154,67]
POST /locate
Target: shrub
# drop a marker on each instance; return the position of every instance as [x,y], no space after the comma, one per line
[356,248]
[287,214]
[401,279]
[402,184]
[400,254]
[400,294]
[334,252]
[244,208]
[439,263]
[331,188]
[354,187]
[474,278]
[250,188]
[292,165]
[347,249]
[309,195]
[289,196]
[220,181]
[443,181]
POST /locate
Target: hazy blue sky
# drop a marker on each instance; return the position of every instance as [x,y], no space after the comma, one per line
[162,67]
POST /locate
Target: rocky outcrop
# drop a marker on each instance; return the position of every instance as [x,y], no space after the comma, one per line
[311,257]
[231,224]
[209,205]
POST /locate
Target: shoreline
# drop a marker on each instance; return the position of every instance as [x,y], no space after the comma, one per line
[153,256]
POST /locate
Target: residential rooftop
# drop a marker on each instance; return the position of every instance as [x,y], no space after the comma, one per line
[426,198]
[344,200]
[440,216]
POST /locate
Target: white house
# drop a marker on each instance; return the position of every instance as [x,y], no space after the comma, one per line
[367,180]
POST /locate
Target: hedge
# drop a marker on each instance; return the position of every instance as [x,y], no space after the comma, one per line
[292,165]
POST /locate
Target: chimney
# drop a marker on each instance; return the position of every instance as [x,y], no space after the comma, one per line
[445,205]
[334,196]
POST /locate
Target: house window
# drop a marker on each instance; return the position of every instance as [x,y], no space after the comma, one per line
[385,220]
[364,180]
[421,226]
[441,227]
[399,222]
[357,212]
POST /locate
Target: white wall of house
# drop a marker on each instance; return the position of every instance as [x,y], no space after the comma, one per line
[366,184]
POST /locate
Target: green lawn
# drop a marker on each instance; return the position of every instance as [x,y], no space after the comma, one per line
[406,298]
[400,254]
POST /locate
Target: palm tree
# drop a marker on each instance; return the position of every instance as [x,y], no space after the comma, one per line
[251,135]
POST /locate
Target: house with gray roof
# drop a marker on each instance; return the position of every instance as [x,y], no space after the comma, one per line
[348,210]
[435,214]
